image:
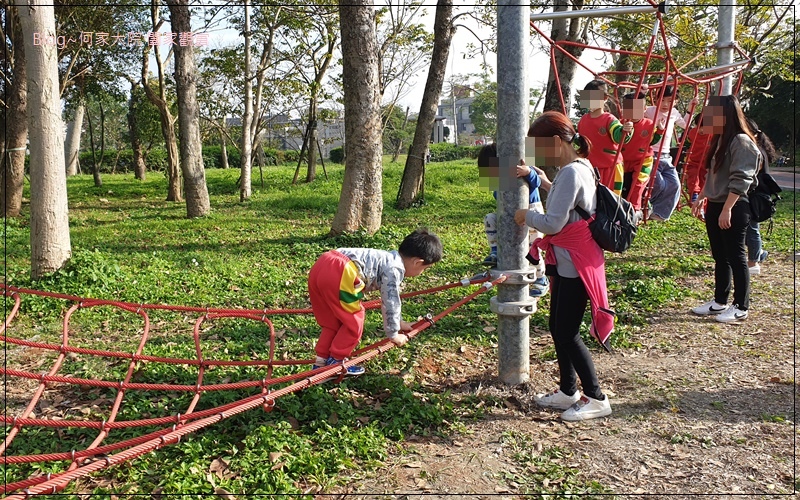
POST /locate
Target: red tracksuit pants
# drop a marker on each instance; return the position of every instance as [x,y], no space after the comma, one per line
[336,290]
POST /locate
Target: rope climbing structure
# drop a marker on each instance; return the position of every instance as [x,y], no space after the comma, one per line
[703,82]
[169,429]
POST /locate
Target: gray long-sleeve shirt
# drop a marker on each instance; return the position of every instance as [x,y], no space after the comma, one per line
[737,172]
[573,186]
[384,271]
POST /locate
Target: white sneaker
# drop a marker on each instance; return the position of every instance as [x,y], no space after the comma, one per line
[556,399]
[754,269]
[709,308]
[587,408]
[731,314]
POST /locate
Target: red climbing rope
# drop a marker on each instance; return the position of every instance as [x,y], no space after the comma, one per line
[97,456]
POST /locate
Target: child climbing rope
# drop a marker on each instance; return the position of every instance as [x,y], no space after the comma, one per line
[638,153]
[337,282]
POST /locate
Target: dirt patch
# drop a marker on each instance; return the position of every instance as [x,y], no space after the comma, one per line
[700,408]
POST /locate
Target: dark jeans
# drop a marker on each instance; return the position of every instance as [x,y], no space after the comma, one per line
[567,305]
[730,254]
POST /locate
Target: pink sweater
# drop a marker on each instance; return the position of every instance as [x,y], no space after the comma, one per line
[590,263]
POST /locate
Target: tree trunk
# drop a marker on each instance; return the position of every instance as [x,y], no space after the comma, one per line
[399,146]
[312,152]
[224,152]
[139,167]
[167,120]
[194,174]
[50,239]
[245,180]
[412,186]
[12,174]
[95,162]
[361,201]
[563,29]
[73,143]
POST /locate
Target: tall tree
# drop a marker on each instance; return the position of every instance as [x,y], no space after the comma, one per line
[73,141]
[194,175]
[412,186]
[15,129]
[50,239]
[573,30]
[160,101]
[361,201]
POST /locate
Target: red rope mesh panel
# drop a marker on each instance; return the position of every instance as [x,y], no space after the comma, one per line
[169,429]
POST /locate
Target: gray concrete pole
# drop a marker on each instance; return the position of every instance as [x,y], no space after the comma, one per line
[725,34]
[513,33]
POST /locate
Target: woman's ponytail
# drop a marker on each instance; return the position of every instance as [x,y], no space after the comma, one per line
[581,145]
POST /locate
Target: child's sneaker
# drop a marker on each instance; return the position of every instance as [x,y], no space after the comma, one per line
[709,308]
[540,287]
[754,269]
[556,399]
[763,256]
[490,260]
[732,314]
[587,408]
[351,370]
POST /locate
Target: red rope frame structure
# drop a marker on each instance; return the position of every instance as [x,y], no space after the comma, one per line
[97,456]
[672,74]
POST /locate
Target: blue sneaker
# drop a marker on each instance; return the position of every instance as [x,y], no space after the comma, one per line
[763,256]
[490,260]
[540,287]
[354,370]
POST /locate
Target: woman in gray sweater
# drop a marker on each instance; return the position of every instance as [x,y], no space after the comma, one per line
[731,171]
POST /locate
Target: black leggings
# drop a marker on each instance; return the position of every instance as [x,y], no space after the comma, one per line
[729,252]
[567,305]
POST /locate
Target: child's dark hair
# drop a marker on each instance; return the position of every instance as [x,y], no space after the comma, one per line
[422,244]
[553,123]
[632,95]
[669,91]
[596,85]
[485,154]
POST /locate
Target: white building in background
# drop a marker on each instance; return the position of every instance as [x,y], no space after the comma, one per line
[282,132]
[458,117]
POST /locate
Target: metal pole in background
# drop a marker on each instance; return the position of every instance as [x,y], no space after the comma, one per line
[602,12]
[512,304]
[725,34]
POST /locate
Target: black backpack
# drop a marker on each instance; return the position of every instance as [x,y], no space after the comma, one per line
[764,197]
[615,220]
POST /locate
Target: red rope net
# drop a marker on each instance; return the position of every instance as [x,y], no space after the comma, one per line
[671,75]
[168,429]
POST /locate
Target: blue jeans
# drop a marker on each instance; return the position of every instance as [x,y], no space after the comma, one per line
[753,242]
[666,188]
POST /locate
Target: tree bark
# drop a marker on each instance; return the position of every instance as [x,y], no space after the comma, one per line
[563,29]
[73,143]
[399,147]
[12,174]
[167,120]
[191,153]
[224,149]
[412,186]
[361,202]
[139,167]
[245,179]
[50,239]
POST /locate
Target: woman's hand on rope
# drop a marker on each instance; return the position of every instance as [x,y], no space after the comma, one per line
[400,339]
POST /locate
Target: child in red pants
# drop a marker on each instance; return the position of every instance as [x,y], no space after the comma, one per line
[337,282]
[638,153]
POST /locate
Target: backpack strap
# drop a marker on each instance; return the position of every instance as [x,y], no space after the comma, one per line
[583,213]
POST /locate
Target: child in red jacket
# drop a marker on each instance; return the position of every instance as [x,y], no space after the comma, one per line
[638,153]
[698,142]
[604,132]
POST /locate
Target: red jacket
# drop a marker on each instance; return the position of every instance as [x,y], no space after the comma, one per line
[589,261]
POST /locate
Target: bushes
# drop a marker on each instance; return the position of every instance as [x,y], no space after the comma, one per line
[445,151]
[156,159]
[337,155]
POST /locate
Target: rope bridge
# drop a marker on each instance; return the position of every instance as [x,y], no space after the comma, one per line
[170,429]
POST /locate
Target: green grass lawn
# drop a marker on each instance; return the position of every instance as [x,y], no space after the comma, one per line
[129,244]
